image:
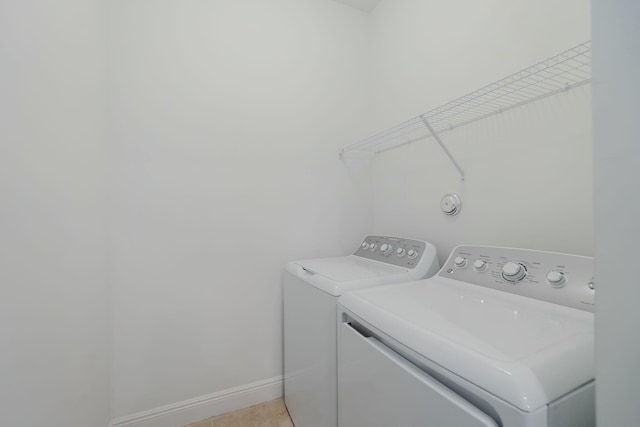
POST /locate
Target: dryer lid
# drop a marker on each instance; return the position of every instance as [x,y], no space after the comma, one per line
[525,351]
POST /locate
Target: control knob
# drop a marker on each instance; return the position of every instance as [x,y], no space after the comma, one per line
[556,279]
[513,272]
[386,248]
[373,247]
[412,254]
[460,262]
[401,252]
[480,265]
[365,246]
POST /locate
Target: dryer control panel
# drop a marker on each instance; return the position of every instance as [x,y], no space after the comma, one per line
[553,277]
[398,251]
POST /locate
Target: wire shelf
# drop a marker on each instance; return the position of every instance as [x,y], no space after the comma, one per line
[556,74]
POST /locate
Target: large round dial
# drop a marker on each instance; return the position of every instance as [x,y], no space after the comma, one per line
[513,271]
[386,248]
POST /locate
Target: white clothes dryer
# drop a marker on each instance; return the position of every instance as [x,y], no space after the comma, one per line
[499,337]
[311,290]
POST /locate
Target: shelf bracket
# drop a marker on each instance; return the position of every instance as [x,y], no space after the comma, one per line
[446,150]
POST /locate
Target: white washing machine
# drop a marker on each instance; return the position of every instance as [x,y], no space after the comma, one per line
[311,291]
[499,337]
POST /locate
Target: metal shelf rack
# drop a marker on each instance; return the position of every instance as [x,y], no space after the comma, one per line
[556,74]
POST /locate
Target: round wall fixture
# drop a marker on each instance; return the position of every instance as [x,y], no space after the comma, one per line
[450,204]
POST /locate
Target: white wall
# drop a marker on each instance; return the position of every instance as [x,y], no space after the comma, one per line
[54,365]
[227,119]
[528,170]
[616,108]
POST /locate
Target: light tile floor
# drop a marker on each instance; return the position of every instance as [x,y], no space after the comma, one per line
[268,414]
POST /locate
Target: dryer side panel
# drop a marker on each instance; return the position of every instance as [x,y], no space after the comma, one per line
[576,409]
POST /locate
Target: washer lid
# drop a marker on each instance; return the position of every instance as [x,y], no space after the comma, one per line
[348,268]
[525,351]
[341,274]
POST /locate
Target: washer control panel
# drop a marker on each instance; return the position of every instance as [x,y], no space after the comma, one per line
[553,277]
[398,251]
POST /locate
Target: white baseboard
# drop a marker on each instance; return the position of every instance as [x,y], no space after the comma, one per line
[200,408]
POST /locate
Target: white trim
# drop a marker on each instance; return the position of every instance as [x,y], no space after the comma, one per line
[200,408]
